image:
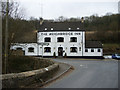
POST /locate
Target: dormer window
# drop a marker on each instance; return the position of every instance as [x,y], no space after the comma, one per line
[51,28]
[69,28]
[45,28]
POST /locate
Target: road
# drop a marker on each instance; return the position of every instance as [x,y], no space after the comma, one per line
[89,74]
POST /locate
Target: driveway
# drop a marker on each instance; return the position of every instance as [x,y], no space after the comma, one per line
[89,74]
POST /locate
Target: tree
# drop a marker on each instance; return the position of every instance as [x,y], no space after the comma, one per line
[10,12]
[62,19]
[14,10]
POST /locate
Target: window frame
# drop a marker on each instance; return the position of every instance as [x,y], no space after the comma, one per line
[46,38]
[98,50]
[86,49]
[92,50]
[75,39]
[73,51]
[31,51]
[60,37]
[46,51]
[19,48]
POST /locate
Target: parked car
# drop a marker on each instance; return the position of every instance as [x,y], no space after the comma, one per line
[116,56]
[108,56]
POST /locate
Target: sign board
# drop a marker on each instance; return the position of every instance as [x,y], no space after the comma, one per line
[43,43]
[61,33]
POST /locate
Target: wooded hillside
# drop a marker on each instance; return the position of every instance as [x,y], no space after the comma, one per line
[105,28]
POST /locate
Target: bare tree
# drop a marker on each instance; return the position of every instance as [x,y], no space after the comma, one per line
[10,12]
[61,18]
[14,10]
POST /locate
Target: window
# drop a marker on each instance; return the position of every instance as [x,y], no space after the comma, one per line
[69,28]
[92,50]
[51,28]
[86,50]
[60,39]
[45,28]
[47,49]
[47,39]
[73,49]
[19,48]
[98,50]
[73,39]
[31,49]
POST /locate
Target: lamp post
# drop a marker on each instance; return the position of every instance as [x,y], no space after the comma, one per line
[6,38]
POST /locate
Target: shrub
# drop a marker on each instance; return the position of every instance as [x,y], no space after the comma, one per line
[24,63]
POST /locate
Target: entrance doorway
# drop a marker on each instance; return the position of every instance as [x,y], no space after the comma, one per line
[60,51]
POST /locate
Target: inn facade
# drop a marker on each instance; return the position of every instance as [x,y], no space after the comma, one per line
[61,39]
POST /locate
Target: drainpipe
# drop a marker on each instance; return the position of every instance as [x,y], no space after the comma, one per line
[82,21]
[37,45]
[82,43]
[37,49]
[42,51]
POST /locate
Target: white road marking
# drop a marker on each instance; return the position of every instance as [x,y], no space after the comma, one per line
[84,66]
[81,65]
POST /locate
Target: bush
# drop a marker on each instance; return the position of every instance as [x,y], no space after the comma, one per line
[54,55]
[18,64]
[65,55]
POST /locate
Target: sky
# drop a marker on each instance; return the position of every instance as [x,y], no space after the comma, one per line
[52,9]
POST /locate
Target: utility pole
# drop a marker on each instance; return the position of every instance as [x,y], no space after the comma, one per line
[6,38]
[42,51]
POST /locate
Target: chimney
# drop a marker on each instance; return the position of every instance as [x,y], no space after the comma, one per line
[41,21]
[82,20]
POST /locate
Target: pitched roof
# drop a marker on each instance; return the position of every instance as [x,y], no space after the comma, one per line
[93,44]
[61,26]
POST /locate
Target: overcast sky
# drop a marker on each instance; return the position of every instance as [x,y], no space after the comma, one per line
[52,9]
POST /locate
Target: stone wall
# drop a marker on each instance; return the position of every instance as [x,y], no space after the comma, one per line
[18,52]
[19,80]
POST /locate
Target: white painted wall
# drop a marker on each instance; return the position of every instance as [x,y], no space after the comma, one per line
[95,53]
[18,45]
[25,47]
[39,50]
[66,44]
[34,45]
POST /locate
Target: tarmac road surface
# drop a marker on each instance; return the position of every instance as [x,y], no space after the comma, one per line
[89,74]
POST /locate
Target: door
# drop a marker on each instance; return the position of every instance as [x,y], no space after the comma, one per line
[60,51]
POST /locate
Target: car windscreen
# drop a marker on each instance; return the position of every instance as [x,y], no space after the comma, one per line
[118,54]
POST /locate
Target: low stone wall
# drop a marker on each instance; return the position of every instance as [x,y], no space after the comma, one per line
[18,80]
